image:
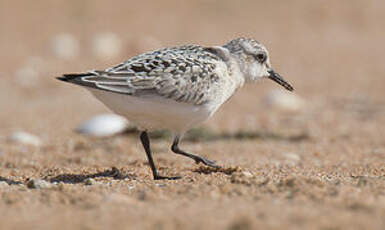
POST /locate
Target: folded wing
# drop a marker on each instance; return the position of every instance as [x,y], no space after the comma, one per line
[173,73]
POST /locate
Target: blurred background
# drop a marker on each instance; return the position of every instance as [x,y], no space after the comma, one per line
[332,52]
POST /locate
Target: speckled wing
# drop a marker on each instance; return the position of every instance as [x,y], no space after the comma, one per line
[184,74]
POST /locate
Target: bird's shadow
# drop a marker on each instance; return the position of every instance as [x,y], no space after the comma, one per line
[9,181]
[80,178]
[194,135]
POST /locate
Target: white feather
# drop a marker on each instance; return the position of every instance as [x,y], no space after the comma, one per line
[151,113]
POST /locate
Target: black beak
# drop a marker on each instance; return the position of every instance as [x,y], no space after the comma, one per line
[277,78]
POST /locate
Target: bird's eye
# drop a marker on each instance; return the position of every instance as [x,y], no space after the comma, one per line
[261,57]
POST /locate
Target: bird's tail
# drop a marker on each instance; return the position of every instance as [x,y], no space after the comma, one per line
[77,78]
[73,77]
[99,80]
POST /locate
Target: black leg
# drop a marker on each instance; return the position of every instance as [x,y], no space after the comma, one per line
[146,144]
[197,159]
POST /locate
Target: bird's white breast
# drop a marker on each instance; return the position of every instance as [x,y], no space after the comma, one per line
[155,112]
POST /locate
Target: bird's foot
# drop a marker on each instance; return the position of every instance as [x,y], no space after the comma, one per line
[207,162]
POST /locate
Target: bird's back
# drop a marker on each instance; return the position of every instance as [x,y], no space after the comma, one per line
[185,74]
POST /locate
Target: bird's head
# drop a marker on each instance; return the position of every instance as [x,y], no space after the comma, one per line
[254,62]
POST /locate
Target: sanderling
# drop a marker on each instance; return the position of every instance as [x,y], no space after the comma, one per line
[177,88]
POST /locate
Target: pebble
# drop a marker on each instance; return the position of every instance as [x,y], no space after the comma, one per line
[65,46]
[247,174]
[106,45]
[103,125]
[38,184]
[25,138]
[241,178]
[291,156]
[3,184]
[130,187]
[284,101]
[89,181]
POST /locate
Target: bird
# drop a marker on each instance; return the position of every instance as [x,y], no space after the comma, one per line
[177,88]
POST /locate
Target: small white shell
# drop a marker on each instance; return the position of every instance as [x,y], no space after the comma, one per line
[25,138]
[103,125]
[284,101]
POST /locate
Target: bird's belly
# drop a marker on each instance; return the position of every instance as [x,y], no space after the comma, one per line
[155,113]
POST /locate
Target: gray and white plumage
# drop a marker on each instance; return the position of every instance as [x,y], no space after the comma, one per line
[179,87]
[184,74]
